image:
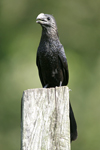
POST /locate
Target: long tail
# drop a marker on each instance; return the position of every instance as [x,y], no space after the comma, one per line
[73,125]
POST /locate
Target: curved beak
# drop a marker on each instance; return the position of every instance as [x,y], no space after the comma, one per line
[41,18]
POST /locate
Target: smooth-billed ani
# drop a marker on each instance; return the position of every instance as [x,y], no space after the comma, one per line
[51,61]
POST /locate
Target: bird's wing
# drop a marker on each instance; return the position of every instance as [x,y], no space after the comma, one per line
[39,70]
[63,60]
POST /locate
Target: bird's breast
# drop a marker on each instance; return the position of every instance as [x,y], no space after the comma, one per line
[50,64]
[48,59]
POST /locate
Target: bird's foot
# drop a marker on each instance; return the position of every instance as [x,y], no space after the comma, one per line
[45,86]
[60,83]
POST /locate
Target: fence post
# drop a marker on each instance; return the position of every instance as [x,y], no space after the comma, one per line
[45,121]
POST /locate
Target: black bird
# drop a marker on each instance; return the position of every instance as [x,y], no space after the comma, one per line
[51,61]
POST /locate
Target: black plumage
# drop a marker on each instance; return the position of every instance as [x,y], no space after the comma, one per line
[51,61]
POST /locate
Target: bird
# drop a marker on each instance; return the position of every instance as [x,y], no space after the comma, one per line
[52,62]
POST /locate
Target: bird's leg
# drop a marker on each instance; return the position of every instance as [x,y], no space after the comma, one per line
[60,83]
[45,86]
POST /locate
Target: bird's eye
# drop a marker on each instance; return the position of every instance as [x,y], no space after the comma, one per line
[48,18]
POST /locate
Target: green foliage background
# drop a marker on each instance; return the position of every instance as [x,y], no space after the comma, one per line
[79,30]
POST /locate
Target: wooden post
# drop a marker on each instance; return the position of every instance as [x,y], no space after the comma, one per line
[45,119]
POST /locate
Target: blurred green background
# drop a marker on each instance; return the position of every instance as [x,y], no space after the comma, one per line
[79,30]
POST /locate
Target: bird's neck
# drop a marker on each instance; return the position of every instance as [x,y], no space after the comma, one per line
[50,34]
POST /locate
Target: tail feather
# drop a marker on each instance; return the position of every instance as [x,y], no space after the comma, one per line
[73,125]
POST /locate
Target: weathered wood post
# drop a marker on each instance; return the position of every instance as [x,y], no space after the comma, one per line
[45,119]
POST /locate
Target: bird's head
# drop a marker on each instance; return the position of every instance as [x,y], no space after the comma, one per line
[47,22]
